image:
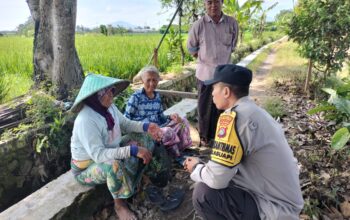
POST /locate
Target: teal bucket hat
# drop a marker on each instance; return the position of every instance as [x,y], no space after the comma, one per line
[94,83]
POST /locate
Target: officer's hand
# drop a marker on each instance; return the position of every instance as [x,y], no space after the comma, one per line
[190,162]
[144,154]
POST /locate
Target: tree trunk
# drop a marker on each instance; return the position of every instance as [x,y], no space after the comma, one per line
[55,58]
[180,36]
[308,77]
[241,32]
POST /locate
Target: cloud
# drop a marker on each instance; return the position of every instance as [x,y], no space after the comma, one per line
[108,8]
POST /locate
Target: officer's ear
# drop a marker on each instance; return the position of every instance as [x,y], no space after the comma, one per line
[227,91]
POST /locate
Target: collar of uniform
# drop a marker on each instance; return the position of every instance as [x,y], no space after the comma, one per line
[241,100]
[208,19]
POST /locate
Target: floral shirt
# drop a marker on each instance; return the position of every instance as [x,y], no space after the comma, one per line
[142,108]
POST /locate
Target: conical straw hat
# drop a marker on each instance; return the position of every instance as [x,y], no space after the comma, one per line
[94,83]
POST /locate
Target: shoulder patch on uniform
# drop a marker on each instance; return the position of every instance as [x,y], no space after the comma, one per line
[227,149]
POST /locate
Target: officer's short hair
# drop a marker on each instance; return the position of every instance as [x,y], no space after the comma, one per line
[238,91]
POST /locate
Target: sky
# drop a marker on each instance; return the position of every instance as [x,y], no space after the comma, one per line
[92,13]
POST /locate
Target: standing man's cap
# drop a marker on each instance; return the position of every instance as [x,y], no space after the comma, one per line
[231,74]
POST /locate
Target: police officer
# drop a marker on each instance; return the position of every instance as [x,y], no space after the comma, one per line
[252,173]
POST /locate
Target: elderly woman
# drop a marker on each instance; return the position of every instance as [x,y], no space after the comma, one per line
[146,105]
[100,154]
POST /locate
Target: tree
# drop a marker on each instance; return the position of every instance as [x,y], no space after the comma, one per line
[120,30]
[260,23]
[103,29]
[55,57]
[27,28]
[187,9]
[283,18]
[242,13]
[110,30]
[177,4]
[322,30]
[191,9]
[81,29]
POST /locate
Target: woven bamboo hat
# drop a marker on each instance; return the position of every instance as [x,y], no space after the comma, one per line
[94,83]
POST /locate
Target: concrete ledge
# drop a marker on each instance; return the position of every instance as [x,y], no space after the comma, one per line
[51,201]
[46,202]
[248,59]
[185,108]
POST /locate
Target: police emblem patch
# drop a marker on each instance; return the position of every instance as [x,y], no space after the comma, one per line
[222,132]
[227,149]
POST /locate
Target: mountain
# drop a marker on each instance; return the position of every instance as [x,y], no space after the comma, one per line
[123,24]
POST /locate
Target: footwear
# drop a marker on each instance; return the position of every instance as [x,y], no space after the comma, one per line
[173,200]
[155,196]
[161,180]
[203,143]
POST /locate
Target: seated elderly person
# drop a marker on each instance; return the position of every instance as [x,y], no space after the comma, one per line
[100,154]
[146,105]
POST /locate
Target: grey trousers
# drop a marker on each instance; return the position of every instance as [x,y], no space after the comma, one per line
[208,114]
[231,203]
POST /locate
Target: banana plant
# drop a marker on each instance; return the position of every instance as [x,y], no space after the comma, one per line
[242,13]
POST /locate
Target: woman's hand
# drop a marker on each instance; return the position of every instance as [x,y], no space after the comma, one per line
[144,154]
[175,117]
[155,131]
[189,163]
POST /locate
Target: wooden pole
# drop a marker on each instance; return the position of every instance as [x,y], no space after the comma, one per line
[155,57]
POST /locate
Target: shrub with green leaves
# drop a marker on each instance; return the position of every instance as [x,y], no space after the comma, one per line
[42,109]
[321,28]
[122,99]
[337,108]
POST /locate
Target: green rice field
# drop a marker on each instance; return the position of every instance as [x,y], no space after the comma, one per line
[118,56]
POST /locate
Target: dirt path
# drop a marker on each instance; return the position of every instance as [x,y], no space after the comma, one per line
[259,87]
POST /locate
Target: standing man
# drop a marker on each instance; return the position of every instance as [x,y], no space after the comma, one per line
[252,173]
[211,40]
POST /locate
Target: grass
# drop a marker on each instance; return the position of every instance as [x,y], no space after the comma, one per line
[288,65]
[16,55]
[254,65]
[116,56]
[17,85]
[119,56]
[274,106]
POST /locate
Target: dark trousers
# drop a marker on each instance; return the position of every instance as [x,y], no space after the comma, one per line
[231,203]
[208,114]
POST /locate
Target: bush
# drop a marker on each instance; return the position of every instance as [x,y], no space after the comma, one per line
[337,109]
[122,99]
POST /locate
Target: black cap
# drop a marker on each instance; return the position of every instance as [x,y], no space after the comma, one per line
[231,74]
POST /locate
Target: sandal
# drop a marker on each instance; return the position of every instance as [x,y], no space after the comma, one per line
[154,194]
[173,200]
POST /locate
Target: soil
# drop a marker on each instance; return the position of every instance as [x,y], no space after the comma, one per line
[324,174]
